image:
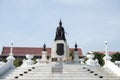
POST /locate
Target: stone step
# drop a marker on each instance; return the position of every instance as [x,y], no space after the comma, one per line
[65,78]
[69,72]
[62,79]
[6,74]
[64,73]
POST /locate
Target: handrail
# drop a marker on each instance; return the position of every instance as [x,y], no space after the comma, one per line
[111,66]
[5,67]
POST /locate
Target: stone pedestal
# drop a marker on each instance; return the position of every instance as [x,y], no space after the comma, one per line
[60,50]
[44,56]
[29,61]
[43,59]
[11,59]
[57,68]
[76,58]
[91,61]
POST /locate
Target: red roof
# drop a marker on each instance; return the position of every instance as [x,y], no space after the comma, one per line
[103,52]
[22,51]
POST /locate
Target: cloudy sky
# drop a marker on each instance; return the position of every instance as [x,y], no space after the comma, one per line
[32,23]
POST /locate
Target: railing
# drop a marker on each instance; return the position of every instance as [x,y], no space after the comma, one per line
[112,67]
[117,63]
[5,67]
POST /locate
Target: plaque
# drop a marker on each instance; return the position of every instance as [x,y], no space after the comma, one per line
[54,59]
[60,49]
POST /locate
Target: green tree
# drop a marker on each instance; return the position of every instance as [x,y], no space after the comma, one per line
[4,60]
[34,59]
[71,54]
[99,56]
[116,57]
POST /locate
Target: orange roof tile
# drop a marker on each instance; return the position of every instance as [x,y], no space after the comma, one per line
[22,51]
[103,52]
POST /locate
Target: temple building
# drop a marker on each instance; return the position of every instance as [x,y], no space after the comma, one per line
[20,52]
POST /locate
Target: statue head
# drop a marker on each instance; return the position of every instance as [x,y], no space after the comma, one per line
[60,23]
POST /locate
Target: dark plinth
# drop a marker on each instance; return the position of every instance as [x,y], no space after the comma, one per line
[21,74]
[16,77]
[33,67]
[60,49]
[88,69]
[25,72]
[100,76]
[91,71]
[95,74]
[54,59]
[29,69]
[84,67]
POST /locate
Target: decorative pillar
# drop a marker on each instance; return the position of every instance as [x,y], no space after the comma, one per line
[76,57]
[11,58]
[106,49]
[29,61]
[106,57]
[44,54]
[91,61]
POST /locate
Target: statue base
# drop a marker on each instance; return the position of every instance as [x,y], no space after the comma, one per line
[76,57]
[60,51]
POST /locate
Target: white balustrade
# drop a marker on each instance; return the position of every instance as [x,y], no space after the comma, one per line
[112,67]
[91,61]
[9,64]
[117,63]
[108,64]
[5,67]
[29,61]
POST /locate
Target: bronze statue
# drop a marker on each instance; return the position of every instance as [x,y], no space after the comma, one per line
[76,47]
[60,33]
[44,47]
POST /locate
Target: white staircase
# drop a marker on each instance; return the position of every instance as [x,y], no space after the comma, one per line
[82,72]
[69,72]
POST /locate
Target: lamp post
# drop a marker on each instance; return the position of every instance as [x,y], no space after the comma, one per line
[107,57]
[11,58]
[106,49]
[11,49]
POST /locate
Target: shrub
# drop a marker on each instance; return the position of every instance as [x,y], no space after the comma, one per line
[18,62]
